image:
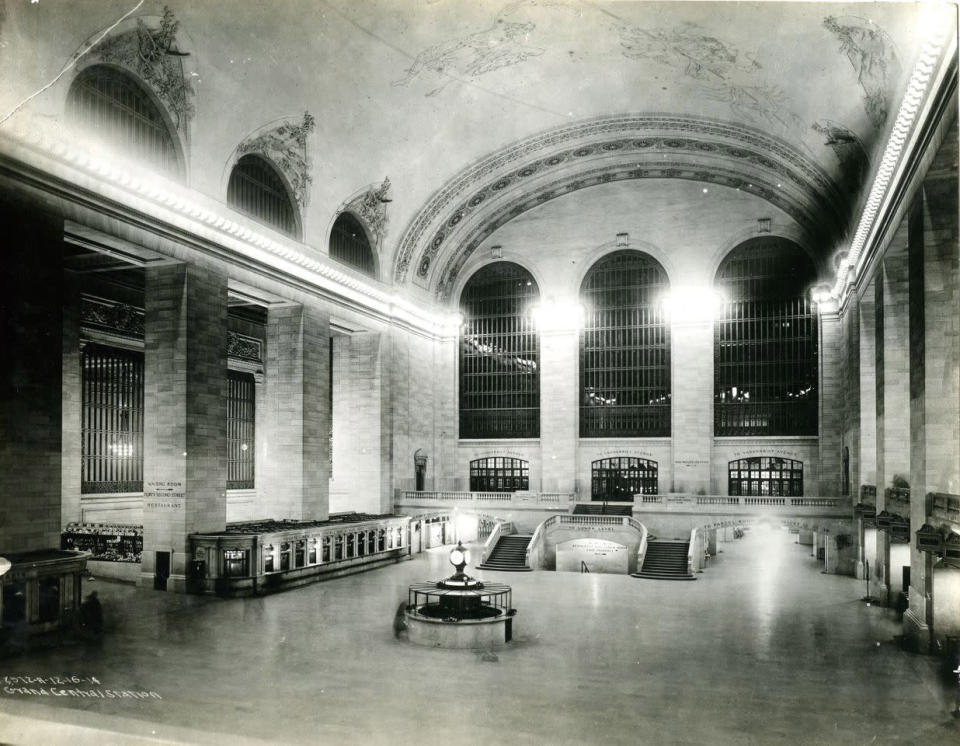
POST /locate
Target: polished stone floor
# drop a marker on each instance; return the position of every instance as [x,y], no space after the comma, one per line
[762,648]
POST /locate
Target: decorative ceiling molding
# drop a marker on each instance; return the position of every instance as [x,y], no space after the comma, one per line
[284,144]
[152,54]
[370,207]
[508,209]
[624,147]
[935,70]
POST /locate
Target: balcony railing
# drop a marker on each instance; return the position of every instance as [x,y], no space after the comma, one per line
[839,506]
[492,499]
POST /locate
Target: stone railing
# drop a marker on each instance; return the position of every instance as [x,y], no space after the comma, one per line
[559,500]
[693,553]
[500,528]
[736,504]
[535,547]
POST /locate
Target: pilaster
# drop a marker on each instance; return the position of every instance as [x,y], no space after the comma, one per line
[185,414]
[692,405]
[558,409]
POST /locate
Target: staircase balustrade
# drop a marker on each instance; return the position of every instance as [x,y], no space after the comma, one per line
[692,552]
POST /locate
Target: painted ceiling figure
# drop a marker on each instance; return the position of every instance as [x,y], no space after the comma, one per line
[721,70]
[874,59]
[501,45]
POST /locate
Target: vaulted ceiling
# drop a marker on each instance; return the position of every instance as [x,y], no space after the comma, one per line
[480,111]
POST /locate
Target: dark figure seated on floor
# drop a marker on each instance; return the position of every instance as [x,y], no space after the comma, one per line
[91,616]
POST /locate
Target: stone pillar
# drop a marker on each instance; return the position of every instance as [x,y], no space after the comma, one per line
[831,553]
[934,382]
[893,456]
[71,401]
[558,409]
[362,447]
[296,441]
[185,415]
[447,417]
[868,390]
[31,329]
[831,403]
[691,355]
[893,390]
[850,396]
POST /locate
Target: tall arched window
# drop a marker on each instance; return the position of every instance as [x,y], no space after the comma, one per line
[115,108]
[256,188]
[349,244]
[765,342]
[624,349]
[499,355]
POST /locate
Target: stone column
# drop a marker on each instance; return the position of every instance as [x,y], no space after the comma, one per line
[296,441]
[893,387]
[31,329]
[362,447]
[558,409]
[71,401]
[831,404]
[447,417]
[868,390]
[934,379]
[692,405]
[185,414]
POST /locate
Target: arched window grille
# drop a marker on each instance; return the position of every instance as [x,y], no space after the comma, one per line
[112,420]
[241,423]
[765,476]
[765,342]
[624,349]
[114,107]
[349,244]
[257,189]
[622,477]
[499,474]
[499,355]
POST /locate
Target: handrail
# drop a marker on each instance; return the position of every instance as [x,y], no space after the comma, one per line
[537,540]
[538,498]
[691,552]
[642,549]
[583,567]
[491,542]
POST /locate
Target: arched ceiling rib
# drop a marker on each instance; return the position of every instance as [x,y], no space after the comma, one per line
[485,196]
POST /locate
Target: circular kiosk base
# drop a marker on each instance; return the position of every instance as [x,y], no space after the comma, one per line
[463,634]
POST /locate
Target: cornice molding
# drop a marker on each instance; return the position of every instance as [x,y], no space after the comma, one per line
[41,157]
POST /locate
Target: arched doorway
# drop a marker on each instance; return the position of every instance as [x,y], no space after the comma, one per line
[621,477]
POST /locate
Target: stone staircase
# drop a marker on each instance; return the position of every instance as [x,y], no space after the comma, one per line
[665,560]
[510,554]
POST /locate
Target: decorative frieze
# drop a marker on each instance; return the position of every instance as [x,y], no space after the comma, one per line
[119,319]
[285,145]
[242,347]
[371,208]
[153,55]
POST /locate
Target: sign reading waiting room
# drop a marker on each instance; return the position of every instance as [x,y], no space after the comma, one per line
[599,555]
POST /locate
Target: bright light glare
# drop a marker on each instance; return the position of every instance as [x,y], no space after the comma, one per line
[690,304]
[552,316]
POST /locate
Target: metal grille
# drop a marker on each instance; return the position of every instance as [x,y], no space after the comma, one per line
[623,477]
[765,342]
[115,108]
[349,244]
[624,349]
[499,474]
[256,189]
[499,355]
[111,420]
[241,419]
[761,475]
